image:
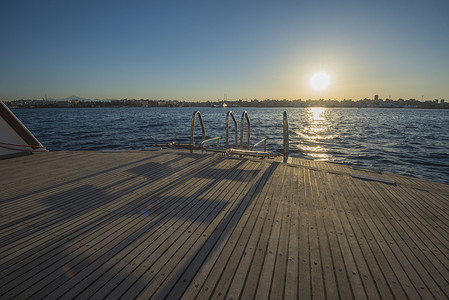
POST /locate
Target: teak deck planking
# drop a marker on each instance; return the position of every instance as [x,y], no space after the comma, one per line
[174,224]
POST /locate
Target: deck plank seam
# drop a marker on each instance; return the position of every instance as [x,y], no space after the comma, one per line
[214,193]
[391,246]
[251,199]
[165,219]
[211,229]
[212,251]
[371,234]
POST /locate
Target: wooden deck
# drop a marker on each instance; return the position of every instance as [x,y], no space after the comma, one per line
[179,225]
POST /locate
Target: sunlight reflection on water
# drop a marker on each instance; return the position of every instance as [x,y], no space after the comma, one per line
[313,133]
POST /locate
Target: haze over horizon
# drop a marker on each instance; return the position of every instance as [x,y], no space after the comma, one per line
[201,50]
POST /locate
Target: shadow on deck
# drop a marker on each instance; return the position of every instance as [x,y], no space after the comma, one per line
[174,224]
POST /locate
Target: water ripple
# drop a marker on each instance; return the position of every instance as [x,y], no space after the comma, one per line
[406,141]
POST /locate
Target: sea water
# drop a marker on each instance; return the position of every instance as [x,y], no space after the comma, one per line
[404,141]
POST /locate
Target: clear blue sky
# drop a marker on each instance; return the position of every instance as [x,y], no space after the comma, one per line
[200,50]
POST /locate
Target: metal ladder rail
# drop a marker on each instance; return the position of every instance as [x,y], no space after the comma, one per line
[285,126]
[245,114]
[264,141]
[192,130]
[230,113]
[218,138]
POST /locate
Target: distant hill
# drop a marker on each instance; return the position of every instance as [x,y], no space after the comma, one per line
[73,98]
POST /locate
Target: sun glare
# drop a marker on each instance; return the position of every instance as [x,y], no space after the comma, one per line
[320,81]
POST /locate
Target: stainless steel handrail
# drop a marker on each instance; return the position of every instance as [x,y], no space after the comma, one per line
[285,123]
[192,130]
[229,151]
[264,141]
[245,114]
[218,138]
[247,152]
[227,130]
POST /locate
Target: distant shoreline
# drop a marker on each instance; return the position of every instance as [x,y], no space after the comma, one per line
[365,103]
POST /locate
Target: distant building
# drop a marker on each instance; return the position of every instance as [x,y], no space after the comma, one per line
[442,101]
[376,97]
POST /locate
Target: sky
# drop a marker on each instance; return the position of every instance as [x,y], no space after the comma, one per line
[201,50]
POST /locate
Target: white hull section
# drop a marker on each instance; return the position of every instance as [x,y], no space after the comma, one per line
[15,138]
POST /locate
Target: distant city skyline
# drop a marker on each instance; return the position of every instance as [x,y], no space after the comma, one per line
[200,50]
[222,99]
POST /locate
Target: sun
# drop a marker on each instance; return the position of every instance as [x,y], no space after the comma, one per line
[320,81]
